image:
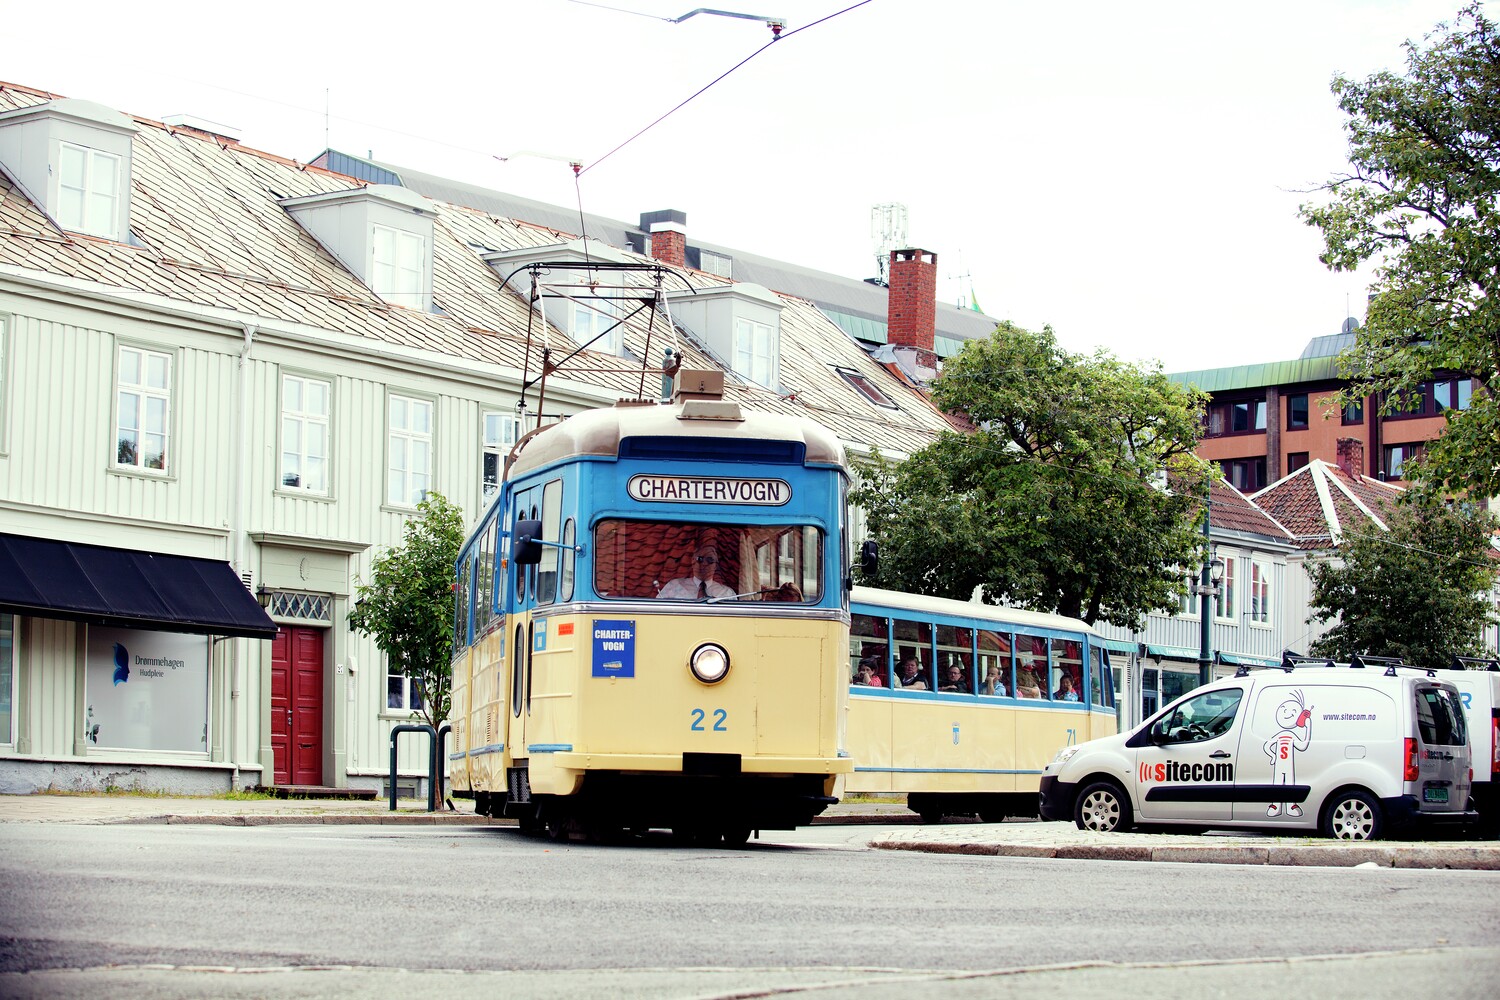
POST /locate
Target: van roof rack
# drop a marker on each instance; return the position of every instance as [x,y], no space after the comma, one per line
[1290,660]
[1476,663]
[1389,662]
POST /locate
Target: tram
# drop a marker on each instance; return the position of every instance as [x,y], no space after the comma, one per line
[651,622]
[961,705]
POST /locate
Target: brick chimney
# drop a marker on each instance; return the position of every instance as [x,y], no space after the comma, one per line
[668,231]
[1351,456]
[911,310]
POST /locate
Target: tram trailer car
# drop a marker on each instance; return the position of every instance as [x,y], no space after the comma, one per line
[994,693]
[1349,751]
[651,626]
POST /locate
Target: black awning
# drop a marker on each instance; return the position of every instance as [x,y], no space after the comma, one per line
[126,588]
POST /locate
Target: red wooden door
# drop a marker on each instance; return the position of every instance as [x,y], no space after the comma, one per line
[297,706]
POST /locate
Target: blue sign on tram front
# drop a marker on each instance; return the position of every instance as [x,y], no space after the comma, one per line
[614,648]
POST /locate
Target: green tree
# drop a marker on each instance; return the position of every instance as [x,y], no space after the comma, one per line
[1420,591]
[407,607]
[1054,501]
[1420,203]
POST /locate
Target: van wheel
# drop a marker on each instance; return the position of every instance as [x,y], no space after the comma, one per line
[1352,815]
[1103,808]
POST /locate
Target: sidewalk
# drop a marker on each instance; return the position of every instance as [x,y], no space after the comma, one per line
[891,827]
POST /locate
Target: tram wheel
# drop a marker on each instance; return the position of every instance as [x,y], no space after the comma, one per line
[992,814]
[736,836]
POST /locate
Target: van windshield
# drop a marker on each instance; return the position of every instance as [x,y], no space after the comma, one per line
[1440,720]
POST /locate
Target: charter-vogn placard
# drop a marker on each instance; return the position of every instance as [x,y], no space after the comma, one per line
[710,489]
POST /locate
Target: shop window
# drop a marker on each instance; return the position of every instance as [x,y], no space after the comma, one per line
[7,677]
[146,690]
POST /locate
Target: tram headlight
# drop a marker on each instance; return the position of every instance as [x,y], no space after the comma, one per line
[709,663]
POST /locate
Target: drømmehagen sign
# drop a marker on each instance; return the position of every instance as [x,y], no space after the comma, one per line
[710,489]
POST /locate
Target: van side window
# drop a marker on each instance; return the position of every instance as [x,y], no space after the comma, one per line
[1206,717]
[1439,719]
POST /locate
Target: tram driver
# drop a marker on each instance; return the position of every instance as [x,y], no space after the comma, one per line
[701,585]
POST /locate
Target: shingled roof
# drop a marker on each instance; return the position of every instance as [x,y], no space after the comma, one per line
[208,229]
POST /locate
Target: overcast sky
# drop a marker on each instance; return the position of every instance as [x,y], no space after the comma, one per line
[1128,173]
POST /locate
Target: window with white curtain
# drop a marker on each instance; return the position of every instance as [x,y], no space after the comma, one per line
[409,450]
[304,433]
[143,409]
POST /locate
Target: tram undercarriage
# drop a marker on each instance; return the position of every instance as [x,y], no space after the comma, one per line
[704,810]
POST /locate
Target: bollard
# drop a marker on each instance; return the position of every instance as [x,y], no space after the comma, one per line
[407,727]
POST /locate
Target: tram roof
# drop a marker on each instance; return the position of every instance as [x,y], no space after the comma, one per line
[896,600]
[598,433]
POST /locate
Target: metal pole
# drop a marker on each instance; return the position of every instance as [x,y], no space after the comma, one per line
[1205,614]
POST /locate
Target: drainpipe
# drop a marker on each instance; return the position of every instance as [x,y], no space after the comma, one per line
[239,447]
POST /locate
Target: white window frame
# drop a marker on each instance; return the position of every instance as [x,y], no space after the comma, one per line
[405,697]
[87,207]
[405,440]
[498,431]
[303,419]
[591,318]
[398,266]
[1227,601]
[755,351]
[144,393]
[1260,594]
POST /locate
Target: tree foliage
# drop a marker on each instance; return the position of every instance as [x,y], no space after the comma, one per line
[407,607]
[1420,203]
[1420,591]
[1053,502]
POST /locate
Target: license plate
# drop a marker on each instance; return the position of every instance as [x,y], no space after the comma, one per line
[1434,795]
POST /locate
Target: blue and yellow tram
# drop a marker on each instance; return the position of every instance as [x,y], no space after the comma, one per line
[961,705]
[651,625]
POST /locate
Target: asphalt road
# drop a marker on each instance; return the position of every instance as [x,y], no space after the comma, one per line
[469,911]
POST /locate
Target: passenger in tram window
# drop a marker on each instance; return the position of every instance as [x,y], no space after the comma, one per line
[788,592]
[866,673]
[1065,690]
[910,675]
[1027,685]
[954,679]
[993,682]
[701,585]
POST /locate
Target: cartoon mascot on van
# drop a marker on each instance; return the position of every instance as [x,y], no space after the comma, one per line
[1294,719]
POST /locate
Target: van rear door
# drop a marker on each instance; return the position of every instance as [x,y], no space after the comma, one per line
[1441,779]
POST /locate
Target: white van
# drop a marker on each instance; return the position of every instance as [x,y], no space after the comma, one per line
[1350,751]
[1478,683]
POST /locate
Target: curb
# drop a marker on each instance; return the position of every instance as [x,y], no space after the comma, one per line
[312,819]
[1465,858]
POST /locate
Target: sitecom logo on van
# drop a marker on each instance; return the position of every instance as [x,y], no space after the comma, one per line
[1178,771]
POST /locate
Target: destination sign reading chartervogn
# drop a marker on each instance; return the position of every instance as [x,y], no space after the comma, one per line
[710,489]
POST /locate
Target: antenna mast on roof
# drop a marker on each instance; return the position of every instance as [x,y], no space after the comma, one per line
[888,229]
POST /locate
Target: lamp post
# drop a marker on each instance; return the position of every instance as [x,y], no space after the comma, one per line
[1208,589]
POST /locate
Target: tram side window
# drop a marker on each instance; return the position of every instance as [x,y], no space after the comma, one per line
[913,655]
[955,652]
[569,561]
[995,663]
[869,651]
[546,581]
[1067,670]
[1102,693]
[484,571]
[1031,666]
[461,604]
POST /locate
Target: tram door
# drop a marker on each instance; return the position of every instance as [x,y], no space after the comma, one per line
[523,582]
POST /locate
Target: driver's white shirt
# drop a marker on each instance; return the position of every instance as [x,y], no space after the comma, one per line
[685,588]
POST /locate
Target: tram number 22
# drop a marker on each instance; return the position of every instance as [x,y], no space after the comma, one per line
[720,718]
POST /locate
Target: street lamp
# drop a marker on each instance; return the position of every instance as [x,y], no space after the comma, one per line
[1208,589]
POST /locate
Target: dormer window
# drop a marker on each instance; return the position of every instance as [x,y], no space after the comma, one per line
[755,352]
[88,190]
[399,267]
[382,233]
[72,159]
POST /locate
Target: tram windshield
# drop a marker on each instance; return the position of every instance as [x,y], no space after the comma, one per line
[694,561]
